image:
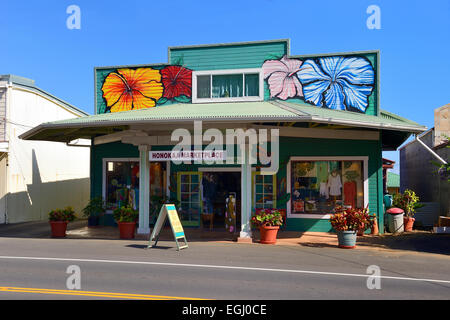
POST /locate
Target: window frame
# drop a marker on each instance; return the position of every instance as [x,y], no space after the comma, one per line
[364,159]
[274,189]
[211,73]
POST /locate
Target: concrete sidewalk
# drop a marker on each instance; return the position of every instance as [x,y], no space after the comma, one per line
[415,242]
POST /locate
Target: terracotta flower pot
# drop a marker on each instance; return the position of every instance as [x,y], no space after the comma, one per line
[361,230]
[268,234]
[127,230]
[374,230]
[408,222]
[58,229]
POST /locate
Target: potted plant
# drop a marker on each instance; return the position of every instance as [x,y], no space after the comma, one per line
[347,222]
[93,210]
[58,220]
[408,201]
[126,219]
[268,221]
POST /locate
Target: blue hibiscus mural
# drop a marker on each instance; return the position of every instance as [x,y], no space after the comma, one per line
[337,82]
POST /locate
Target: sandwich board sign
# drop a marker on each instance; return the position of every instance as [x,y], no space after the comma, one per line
[168,210]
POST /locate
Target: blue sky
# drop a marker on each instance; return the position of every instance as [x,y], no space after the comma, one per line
[414,41]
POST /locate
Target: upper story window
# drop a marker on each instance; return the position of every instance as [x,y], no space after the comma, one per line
[227,85]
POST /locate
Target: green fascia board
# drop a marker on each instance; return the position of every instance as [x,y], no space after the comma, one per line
[218,45]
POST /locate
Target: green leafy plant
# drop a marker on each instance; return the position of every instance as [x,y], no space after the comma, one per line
[351,219]
[94,208]
[125,214]
[67,214]
[268,218]
[408,201]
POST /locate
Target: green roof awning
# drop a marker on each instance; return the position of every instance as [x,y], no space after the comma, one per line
[394,126]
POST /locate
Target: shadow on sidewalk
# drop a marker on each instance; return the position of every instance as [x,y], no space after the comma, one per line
[416,241]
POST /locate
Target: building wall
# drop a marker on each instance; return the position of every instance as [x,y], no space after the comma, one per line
[289,147]
[418,173]
[3,185]
[292,78]
[2,113]
[42,175]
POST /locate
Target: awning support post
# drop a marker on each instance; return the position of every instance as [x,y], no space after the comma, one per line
[246,194]
[144,190]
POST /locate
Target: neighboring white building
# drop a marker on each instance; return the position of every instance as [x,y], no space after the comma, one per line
[37,176]
[418,169]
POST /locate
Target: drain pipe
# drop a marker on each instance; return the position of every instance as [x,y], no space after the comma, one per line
[429,149]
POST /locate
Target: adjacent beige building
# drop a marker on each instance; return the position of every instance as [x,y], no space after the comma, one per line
[37,176]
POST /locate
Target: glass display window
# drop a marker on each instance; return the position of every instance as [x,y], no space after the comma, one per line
[122,183]
[317,187]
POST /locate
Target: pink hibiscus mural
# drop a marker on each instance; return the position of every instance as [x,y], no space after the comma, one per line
[282,78]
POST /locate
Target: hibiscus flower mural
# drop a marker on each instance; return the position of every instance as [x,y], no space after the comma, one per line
[341,83]
[130,89]
[177,81]
[282,78]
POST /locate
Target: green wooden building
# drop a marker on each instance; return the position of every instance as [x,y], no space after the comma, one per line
[324,127]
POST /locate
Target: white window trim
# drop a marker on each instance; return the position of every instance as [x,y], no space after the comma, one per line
[224,72]
[365,160]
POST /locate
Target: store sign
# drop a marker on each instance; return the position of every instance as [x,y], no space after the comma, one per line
[168,210]
[187,155]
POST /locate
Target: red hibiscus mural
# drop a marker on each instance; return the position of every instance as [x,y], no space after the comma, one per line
[177,81]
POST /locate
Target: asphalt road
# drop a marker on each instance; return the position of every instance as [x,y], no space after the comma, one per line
[125,269]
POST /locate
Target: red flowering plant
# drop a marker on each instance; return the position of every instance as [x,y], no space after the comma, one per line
[268,218]
[67,214]
[351,219]
[125,214]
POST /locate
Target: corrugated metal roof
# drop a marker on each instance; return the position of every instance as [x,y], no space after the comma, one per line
[263,111]
[386,120]
[217,111]
[393,180]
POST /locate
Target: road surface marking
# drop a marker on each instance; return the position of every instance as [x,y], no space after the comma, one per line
[222,267]
[93,294]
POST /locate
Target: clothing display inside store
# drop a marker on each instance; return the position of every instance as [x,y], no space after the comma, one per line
[217,189]
[319,186]
[122,183]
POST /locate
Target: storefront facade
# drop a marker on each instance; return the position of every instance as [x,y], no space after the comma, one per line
[330,134]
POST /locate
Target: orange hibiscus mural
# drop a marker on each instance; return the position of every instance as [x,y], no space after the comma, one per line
[131,89]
